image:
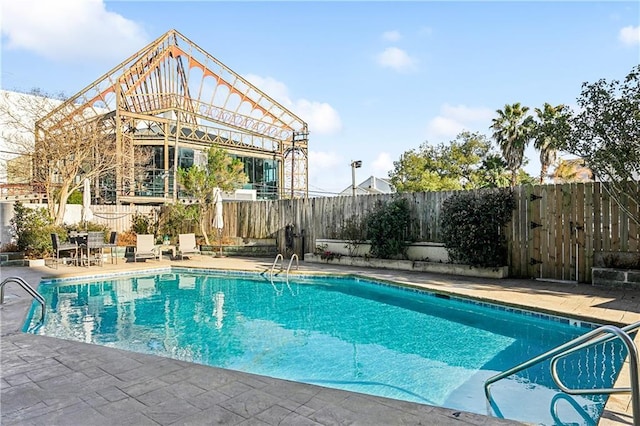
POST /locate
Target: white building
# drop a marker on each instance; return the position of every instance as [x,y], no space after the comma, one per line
[372,185]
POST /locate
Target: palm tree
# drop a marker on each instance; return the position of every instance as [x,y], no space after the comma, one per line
[550,134]
[513,130]
[493,172]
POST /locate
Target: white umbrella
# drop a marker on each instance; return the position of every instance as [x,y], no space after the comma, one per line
[87,214]
[218,221]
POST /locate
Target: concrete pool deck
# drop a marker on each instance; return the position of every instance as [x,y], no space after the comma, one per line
[50,381]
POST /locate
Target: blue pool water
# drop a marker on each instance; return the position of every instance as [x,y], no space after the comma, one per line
[345,333]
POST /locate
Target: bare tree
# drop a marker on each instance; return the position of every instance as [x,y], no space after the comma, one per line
[18,114]
[66,142]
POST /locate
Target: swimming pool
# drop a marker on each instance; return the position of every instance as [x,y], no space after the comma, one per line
[346,333]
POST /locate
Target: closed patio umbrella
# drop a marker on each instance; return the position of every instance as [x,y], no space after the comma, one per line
[218,220]
[87,214]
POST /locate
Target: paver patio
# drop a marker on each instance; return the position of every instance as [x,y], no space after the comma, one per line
[49,381]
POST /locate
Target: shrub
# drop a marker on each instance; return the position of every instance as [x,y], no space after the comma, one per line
[89,226]
[621,260]
[32,229]
[127,238]
[9,248]
[321,250]
[140,223]
[354,232]
[387,229]
[473,227]
[177,218]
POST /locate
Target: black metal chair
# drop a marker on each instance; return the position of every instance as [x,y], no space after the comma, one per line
[111,245]
[59,248]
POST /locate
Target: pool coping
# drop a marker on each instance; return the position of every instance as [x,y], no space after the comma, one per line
[454,286]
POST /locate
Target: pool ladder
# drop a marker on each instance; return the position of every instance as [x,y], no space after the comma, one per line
[281,257]
[25,285]
[600,335]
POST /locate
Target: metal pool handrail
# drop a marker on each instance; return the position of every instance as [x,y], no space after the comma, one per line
[564,388]
[279,256]
[591,338]
[25,285]
[572,402]
[291,261]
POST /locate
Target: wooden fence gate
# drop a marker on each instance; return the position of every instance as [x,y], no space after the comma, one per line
[557,229]
[557,225]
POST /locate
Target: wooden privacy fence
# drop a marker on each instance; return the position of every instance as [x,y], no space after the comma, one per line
[554,232]
[557,229]
[324,217]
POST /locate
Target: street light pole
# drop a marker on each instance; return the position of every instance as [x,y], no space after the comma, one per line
[354,165]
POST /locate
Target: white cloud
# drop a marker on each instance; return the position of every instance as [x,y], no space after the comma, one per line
[629,35]
[397,59]
[443,127]
[466,114]
[324,160]
[454,119]
[272,87]
[321,117]
[382,164]
[391,36]
[329,172]
[69,29]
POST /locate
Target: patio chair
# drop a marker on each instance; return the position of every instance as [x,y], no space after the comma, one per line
[187,245]
[145,247]
[112,245]
[95,246]
[60,248]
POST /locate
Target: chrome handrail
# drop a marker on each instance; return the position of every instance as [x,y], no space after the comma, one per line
[589,339]
[588,421]
[626,330]
[278,292]
[291,261]
[279,256]
[25,285]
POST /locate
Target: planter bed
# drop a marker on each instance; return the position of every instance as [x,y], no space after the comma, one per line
[410,265]
[423,251]
[240,250]
[12,258]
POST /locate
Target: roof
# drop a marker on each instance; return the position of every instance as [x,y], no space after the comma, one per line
[371,185]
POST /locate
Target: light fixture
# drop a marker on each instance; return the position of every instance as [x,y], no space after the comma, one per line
[354,165]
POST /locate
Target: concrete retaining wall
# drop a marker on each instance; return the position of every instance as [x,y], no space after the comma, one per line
[409,265]
[424,251]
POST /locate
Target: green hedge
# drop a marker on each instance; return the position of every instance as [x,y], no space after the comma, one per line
[473,227]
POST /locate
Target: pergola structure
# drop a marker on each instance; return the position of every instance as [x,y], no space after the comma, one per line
[173,94]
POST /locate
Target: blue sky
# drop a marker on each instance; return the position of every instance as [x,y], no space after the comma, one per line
[372,79]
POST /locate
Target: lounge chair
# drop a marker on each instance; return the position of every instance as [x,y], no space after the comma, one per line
[145,247]
[187,245]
